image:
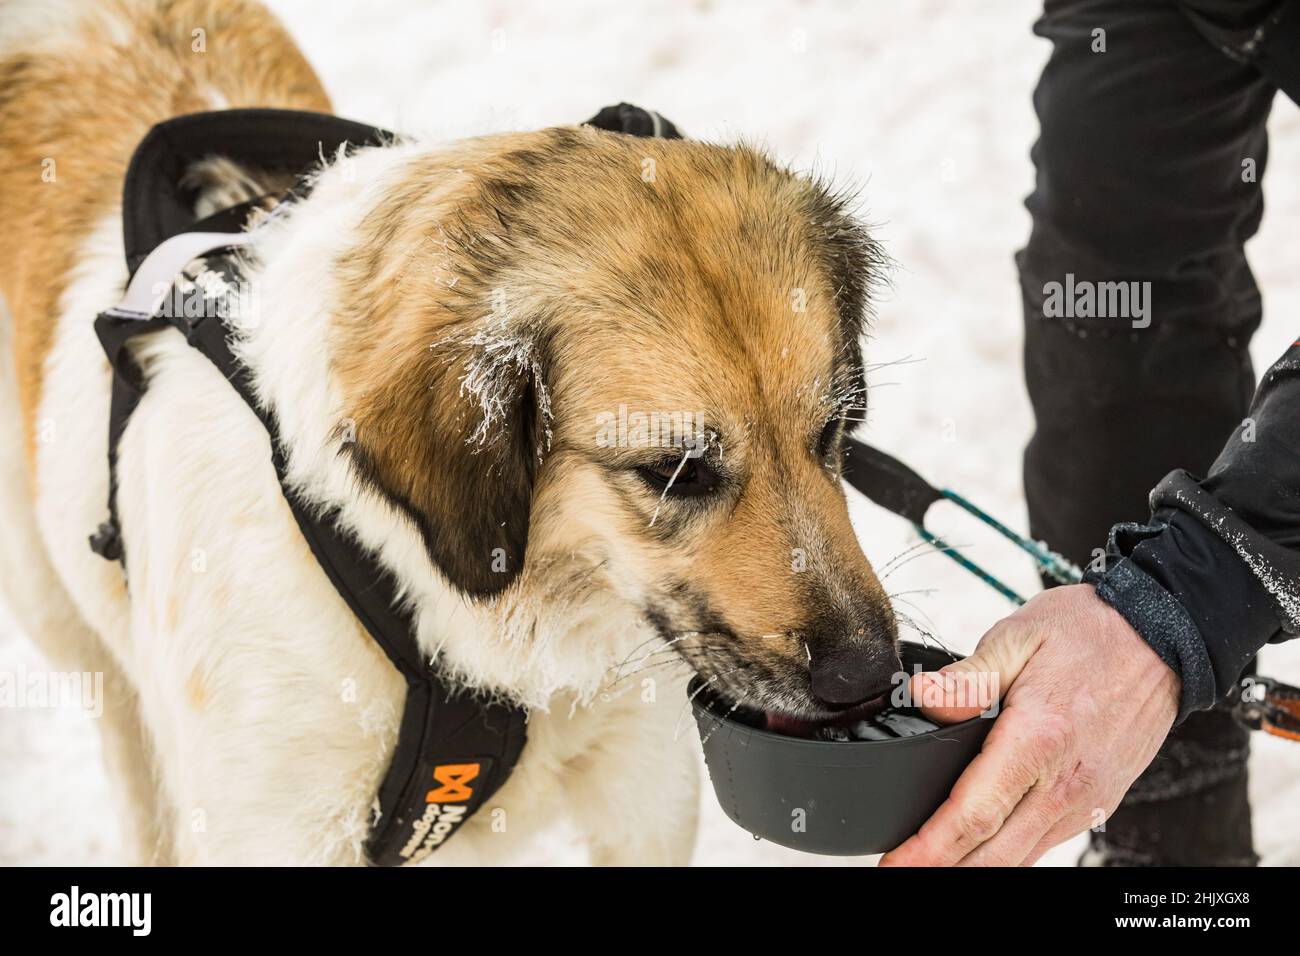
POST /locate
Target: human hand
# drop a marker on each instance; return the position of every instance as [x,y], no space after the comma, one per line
[1086,705]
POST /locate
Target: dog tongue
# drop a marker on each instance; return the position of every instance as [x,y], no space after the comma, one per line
[801,727]
[789,726]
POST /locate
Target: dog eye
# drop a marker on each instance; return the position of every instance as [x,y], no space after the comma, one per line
[694,478]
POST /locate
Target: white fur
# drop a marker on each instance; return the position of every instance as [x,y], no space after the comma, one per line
[270,714]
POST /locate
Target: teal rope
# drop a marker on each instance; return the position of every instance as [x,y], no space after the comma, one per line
[970,566]
[1051,563]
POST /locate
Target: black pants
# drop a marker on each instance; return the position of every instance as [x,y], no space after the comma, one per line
[1149,166]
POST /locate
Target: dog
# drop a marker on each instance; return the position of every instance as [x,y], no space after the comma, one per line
[446,332]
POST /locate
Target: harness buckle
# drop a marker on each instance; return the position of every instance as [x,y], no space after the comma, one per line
[107,541]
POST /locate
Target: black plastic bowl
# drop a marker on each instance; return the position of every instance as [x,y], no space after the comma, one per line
[843,798]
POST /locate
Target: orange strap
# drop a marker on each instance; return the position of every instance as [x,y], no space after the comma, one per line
[1281,716]
[1268,705]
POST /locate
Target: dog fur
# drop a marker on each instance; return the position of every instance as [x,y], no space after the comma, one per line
[438,329]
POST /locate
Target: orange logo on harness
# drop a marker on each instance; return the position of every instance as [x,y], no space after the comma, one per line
[455,778]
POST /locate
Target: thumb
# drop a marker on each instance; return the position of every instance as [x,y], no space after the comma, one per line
[968,687]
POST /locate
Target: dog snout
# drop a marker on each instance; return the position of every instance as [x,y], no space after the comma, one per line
[852,660]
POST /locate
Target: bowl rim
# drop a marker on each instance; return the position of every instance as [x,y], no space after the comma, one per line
[787,740]
[695,690]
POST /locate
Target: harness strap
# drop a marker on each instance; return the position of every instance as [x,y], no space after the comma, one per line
[133,316]
[159,204]
[453,750]
[1284,718]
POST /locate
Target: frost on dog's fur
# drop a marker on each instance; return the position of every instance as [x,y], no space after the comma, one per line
[498,355]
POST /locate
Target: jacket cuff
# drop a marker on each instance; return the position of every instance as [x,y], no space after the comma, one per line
[1191,594]
[1163,623]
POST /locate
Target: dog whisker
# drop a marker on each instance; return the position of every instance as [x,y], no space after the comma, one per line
[925,635]
[686,454]
[901,596]
[667,646]
[721,720]
[905,360]
[937,550]
[690,699]
[657,667]
[906,551]
[909,621]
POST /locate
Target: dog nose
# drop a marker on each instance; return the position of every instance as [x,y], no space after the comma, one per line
[850,674]
[852,659]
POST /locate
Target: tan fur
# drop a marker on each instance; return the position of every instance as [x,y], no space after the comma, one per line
[86,106]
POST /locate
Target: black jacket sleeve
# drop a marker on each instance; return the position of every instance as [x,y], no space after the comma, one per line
[1215,574]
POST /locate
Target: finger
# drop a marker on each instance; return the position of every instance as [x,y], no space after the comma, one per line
[949,697]
[1064,830]
[981,801]
[968,687]
[1033,818]
[1046,817]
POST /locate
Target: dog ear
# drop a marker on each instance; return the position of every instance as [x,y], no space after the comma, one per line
[452,435]
[855,265]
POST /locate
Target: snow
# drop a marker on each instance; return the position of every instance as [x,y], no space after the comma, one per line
[926,106]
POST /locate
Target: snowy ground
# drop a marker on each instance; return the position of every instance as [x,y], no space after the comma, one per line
[926,104]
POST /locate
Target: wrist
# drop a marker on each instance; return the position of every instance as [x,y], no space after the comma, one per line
[1172,637]
[1164,681]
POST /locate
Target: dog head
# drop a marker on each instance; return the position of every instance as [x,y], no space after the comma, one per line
[587,361]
